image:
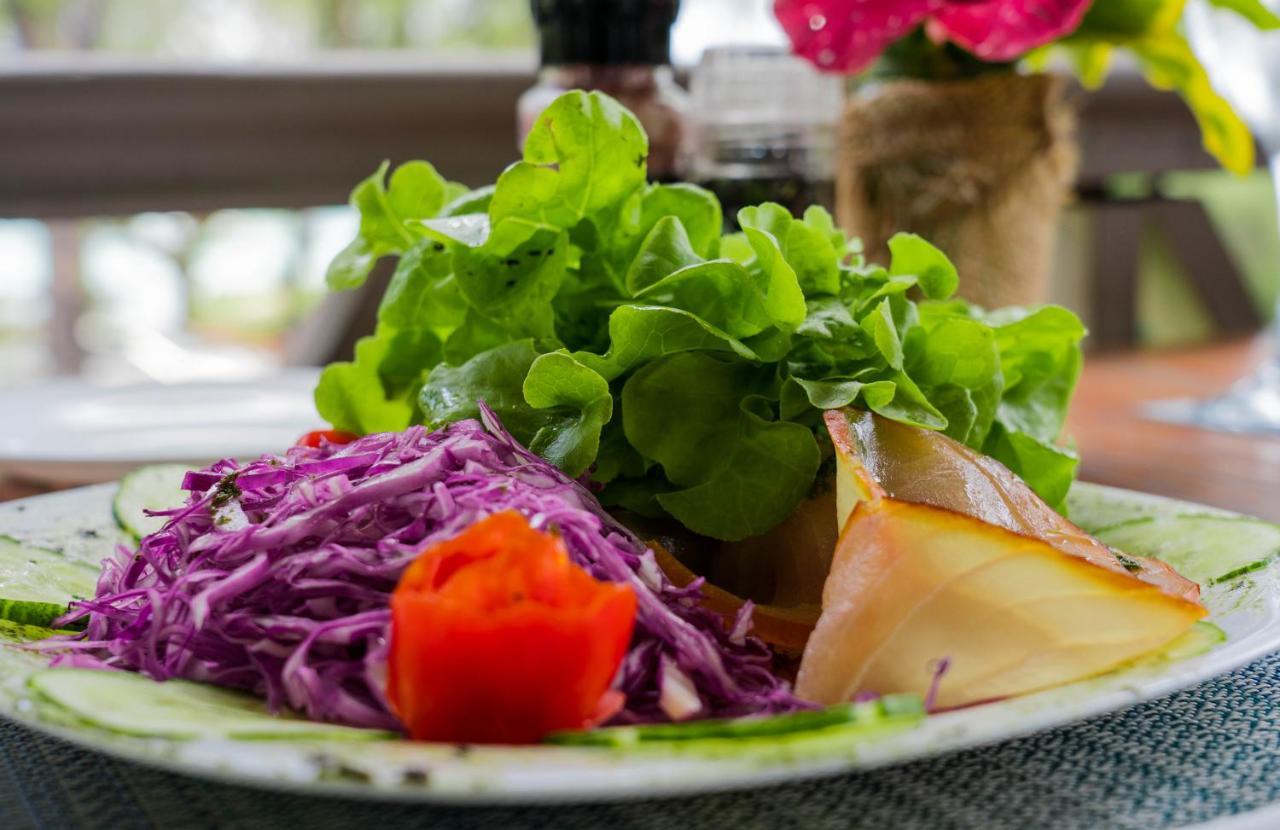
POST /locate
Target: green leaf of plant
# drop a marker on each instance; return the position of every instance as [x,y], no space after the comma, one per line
[470,229]
[476,334]
[674,408]
[720,291]
[810,253]
[784,301]
[1150,30]
[1048,468]
[666,249]
[698,211]
[1040,359]
[735,246]
[471,201]
[1092,62]
[581,399]
[913,256]
[585,155]
[879,324]
[806,245]
[1168,63]
[958,406]
[957,351]
[496,376]
[1122,21]
[640,333]
[376,391]
[423,292]
[513,278]
[1040,362]
[836,393]
[740,473]
[771,470]
[909,405]
[415,191]
[1254,11]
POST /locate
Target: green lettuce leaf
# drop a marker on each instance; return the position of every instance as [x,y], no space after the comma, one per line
[415,191]
[616,331]
[495,377]
[377,392]
[512,278]
[700,417]
[584,158]
[1041,360]
[582,402]
[914,257]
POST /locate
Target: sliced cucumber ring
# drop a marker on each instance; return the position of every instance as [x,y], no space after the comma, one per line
[34,574]
[13,633]
[39,614]
[158,487]
[131,704]
[1207,549]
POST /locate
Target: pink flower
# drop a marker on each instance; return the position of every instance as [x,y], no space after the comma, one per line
[848,35]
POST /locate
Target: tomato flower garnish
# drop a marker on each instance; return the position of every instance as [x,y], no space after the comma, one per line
[497,637]
[848,35]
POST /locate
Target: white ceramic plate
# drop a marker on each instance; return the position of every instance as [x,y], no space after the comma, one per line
[70,432]
[78,522]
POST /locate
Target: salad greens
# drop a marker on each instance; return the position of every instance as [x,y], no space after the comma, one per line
[618,334]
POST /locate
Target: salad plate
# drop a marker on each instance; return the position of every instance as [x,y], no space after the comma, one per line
[612,505]
[78,525]
[71,432]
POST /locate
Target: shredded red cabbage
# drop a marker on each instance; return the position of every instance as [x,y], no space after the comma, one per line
[276,577]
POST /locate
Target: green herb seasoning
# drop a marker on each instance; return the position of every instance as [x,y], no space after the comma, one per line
[226,491]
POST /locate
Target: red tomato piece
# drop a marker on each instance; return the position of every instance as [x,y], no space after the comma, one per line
[497,637]
[333,436]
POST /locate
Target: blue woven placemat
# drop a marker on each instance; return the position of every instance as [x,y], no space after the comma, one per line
[1205,753]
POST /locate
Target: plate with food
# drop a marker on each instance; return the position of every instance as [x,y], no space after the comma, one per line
[616,505]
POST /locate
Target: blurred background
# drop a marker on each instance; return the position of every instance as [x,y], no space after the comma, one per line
[173,176]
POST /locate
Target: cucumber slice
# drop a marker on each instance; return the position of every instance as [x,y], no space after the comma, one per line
[1204,548]
[17,633]
[158,487]
[41,614]
[1200,638]
[35,574]
[131,704]
[888,711]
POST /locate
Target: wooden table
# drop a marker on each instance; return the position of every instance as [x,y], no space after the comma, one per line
[18,489]
[1122,448]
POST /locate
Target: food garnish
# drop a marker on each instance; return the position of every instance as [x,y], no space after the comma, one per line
[496,637]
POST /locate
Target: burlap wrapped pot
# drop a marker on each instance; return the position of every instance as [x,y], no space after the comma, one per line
[980,167]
